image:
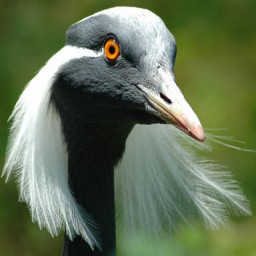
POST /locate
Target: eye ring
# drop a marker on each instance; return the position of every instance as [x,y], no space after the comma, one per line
[111,49]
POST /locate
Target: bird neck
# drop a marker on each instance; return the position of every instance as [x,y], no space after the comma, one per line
[92,158]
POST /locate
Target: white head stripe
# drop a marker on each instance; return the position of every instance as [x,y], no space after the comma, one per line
[38,152]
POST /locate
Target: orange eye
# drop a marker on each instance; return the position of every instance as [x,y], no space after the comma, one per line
[111,49]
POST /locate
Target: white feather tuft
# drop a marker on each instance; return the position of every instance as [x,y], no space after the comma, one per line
[160,181]
[37,152]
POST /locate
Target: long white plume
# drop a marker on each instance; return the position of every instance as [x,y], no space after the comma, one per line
[37,152]
[160,181]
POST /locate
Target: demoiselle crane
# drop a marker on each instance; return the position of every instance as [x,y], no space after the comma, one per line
[96,124]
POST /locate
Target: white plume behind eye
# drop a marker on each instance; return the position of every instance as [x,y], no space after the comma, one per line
[161,181]
[37,152]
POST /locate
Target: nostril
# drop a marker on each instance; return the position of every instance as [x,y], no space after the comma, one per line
[165,98]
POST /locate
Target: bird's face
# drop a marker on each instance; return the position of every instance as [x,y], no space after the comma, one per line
[130,78]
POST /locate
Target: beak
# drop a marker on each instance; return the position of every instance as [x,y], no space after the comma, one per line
[171,106]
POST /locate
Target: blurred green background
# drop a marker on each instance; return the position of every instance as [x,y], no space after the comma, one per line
[215,69]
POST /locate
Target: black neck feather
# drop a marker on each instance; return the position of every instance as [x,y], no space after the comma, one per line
[95,135]
[91,172]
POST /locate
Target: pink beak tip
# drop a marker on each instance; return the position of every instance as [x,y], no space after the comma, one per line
[198,133]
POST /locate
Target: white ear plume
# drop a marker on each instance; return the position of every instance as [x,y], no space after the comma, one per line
[160,182]
[37,152]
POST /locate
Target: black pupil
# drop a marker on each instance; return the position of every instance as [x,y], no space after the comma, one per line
[112,49]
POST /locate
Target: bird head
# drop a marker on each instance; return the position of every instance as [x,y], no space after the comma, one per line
[127,73]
